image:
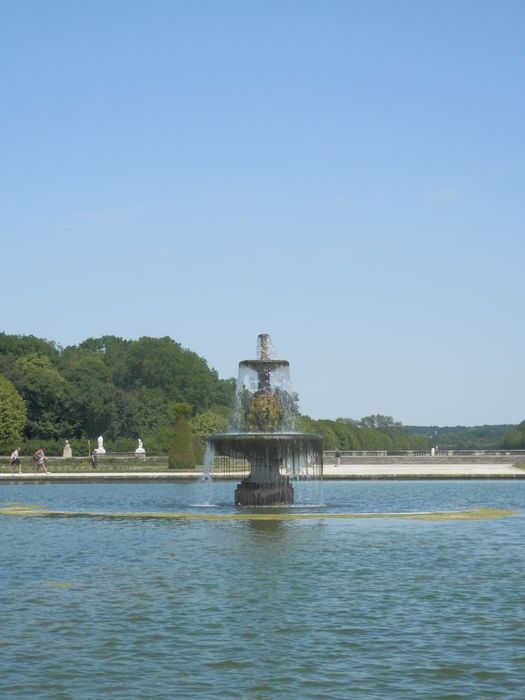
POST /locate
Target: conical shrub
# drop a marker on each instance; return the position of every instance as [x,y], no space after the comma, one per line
[181,454]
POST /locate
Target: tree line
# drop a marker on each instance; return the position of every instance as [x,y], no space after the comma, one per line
[376,432]
[460,437]
[121,389]
[130,389]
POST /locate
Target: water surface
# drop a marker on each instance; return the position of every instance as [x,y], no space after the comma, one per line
[327,608]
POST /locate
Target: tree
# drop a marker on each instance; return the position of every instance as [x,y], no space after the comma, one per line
[91,393]
[12,416]
[182,375]
[380,422]
[18,345]
[111,386]
[515,439]
[213,420]
[44,390]
[181,454]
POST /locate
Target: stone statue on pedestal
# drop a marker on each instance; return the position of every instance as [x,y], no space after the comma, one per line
[68,452]
[140,451]
[100,448]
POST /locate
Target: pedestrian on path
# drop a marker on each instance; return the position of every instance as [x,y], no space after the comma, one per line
[15,461]
[94,459]
[41,460]
[337,457]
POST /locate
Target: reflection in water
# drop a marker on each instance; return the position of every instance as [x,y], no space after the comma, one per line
[266,528]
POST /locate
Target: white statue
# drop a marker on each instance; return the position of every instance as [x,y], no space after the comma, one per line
[100,448]
[140,451]
[67,452]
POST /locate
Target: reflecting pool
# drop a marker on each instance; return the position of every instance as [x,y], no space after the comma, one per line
[325,607]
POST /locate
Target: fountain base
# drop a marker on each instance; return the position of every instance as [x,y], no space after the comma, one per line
[251,493]
[274,461]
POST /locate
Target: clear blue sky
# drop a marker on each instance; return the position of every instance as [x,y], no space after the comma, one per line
[345,175]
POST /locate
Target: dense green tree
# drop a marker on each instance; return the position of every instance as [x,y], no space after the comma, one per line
[182,375]
[47,397]
[212,420]
[150,408]
[12,416]
[18,345]
[348,434]
[91,393]
[330,438]
[146,376]
[181,454]
[380,422]
[515,439]
[460,437]
[120,388]
[124,419]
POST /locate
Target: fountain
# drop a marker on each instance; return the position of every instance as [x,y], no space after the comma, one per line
[264,445]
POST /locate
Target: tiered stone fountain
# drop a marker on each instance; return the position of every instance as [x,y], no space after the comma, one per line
[265,435]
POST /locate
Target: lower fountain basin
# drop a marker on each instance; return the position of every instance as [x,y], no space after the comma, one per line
[278,445]
[275,460]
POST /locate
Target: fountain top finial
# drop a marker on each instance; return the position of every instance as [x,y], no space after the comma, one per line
[264,346]
[265,363]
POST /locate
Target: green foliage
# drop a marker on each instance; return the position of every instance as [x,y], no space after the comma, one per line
[369,433]
[181,454]
[265,413]
[126,389]
[181,374]
[460,437]
[91,394]
[12,416]
[46,394]
[379,422]
[515,439]
[110,386]
[213,420]
[179,409]
[18,345]
[206,423]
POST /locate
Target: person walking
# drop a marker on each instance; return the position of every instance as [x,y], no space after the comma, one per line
[337,458]
[15,461]
[41,461]
[94,459]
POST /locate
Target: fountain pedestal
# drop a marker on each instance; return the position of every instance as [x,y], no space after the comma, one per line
[275,461]
[265,485]
[252,493]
